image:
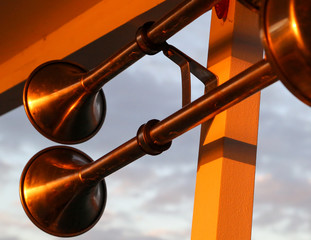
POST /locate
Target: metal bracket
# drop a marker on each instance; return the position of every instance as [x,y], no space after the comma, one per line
[188,65]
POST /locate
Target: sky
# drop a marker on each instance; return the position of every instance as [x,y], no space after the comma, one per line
[152,198]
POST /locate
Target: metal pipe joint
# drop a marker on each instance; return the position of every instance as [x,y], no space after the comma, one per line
[145,141]
[144,42]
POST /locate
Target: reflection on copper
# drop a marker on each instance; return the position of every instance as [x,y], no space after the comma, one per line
[36,99]
[59,106]
[295,26]
[53,194]
[287,42]
[67,115]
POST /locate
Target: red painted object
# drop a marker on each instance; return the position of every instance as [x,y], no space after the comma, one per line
[222,9]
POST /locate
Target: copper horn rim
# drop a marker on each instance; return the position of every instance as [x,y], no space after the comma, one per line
[85,206]
[59,107]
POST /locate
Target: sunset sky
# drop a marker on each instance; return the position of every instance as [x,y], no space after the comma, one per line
[152,198]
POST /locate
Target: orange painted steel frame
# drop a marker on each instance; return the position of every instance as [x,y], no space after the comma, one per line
[58,28]
[227,157]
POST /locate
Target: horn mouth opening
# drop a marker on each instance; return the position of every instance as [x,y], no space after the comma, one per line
[285,27]
[54,197]
[59,106]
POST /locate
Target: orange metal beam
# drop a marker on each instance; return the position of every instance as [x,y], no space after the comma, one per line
[227,158]
[42,30]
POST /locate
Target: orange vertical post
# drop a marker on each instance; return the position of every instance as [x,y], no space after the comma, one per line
[223,202]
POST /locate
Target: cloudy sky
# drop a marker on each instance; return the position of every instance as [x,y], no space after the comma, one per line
[152,198]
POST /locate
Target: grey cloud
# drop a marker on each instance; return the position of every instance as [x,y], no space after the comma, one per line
[4,168]
[282,199]
[162,186]
[291,219]
[171,192]
[16,131]
[132,180]
[285,192]
[284,134]
[9,238]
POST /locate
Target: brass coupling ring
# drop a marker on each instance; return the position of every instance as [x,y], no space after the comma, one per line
[145,141]
[144,42]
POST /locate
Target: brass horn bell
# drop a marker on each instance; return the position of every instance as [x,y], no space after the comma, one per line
[59,106]
[286,35]
[54,197]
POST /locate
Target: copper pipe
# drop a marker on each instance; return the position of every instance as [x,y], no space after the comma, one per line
[243,85]
[59,180]
[158,33]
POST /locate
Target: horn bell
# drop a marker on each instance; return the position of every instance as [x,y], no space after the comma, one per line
[54,197]
[58,105]
[286,36]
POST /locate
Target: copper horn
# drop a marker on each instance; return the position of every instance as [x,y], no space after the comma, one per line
[65,103]
[63,191]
